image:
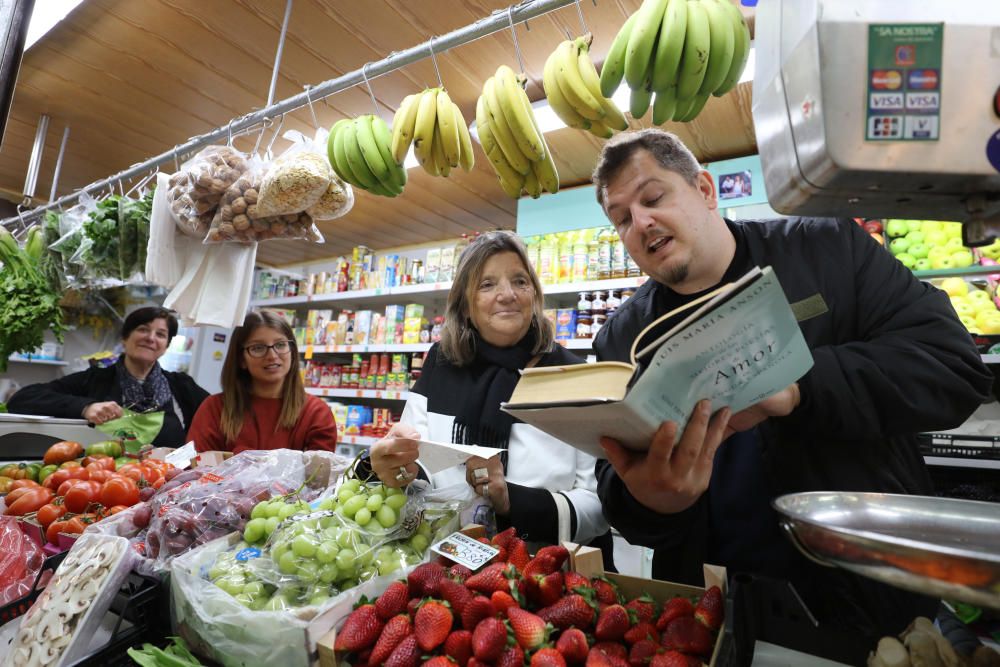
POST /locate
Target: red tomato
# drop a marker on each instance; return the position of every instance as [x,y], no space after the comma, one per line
[17,493]
[70,464]
[119,490]
[30,501]
[116,509]
[158,483]
[67,485]
[105,462]
[101,475]
[24,483]
[82,495]
[56,527]
[50,512]
[63,451]
[79,523]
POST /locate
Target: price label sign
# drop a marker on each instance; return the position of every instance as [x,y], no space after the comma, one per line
[309,352]
[465,550]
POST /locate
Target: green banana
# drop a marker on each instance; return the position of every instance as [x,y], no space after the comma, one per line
[516,109]
[383,139]
[613,69]
[402,127]
[466,157]
[664,105]
[697,44]
[557,101]
[356,161]
[682,107]
[638,54]
[338,156]
[670,45]
[599,129]
[741,49]
[639,100]
[697,104]
[720,58]
[502,132]
[510,179]
[369,149]
[613,117]
[423,126]
[571,83]
[451,142]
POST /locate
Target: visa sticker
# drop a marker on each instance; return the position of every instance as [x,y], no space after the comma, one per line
[466,551]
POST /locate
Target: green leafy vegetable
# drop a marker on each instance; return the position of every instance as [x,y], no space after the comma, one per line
[101,227]
[134,233]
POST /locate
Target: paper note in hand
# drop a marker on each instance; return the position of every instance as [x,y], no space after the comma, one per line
[734,346]
[438,456]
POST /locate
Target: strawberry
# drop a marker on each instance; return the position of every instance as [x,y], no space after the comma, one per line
[574,580]
[440,661]
[530,631]
[501,555]
[432,624]
[489,639]
[364,658]
[572,644]
[557,551]
[642,652]
[412,606]
[501,601]
[406,654]
[517,553]
[459,572]
[612,649]
[398,628]
[688,635]
[569,611]
[548,657]
[611,654]
[710,610]
[455,594]
[612,623]
[361,628]
[674,659]
[503,538]
[599,659]
[458,646]
[540,566]
[606,591]
[492,578]
[675,608]
[645,608]
[476,610]
[512,656]
[392,601]
[642,630]
[423,581]
[550,589]
[475,662]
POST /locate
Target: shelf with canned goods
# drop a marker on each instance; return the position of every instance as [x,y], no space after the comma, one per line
[336,392]
[309,350]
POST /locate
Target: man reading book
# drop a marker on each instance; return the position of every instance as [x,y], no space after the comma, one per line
[891,359]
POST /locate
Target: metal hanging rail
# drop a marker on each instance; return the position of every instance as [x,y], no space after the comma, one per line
[499,20]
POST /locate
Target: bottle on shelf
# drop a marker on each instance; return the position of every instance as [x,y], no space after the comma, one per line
[565,257]
[618,266]
[547,259]
[460,247]
[580,259]
[605,240]
[593,255]
[531,246]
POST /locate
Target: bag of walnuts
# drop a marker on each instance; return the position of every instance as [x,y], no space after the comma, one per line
[301,179]
[195,191]
[238,217]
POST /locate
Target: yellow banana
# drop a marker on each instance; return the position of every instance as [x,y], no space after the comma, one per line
[355,159]
[613,68]
[423,127]
[613,117]
[571,83]
[664,105]
[553,94]
[696,106]
[545,172]
[639,52]
[720,58]
[466,158]
[516,108]
[638,101]
[451,143]
[510,179]
[502,132]
[402,127]
[697,44]
[383,140]
[438,155]
[531,185]
[369,149]
[741,49]
[599,129]
[670,45]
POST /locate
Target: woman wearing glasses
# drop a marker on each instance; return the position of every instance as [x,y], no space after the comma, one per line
[263,404]
[136,382]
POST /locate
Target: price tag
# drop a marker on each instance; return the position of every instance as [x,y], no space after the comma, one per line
[181,457]
[309,352]
[465,550]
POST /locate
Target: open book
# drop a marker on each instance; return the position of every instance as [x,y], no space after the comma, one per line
[735,346]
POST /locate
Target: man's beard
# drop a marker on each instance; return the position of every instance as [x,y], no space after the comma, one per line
[676,275]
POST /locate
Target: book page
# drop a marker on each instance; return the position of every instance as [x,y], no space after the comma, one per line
[582,427]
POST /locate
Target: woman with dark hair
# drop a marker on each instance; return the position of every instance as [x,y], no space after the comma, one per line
[494,328]
[263,404]
[136,382]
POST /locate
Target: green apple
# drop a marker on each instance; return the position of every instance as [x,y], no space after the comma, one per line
[992,251]
[932,226]
[955,286]
[907,260]
[979,295]
[939,251]
[900,245]
[969,322]
[943,263]
[922,264]
[914,225]
[916,237]
[935,238]
[964,308]
[919,250]
[896,227]
[963,258]
[954,242]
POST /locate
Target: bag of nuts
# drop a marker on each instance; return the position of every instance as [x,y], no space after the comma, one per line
[238,218]
[296,180]
[196,189]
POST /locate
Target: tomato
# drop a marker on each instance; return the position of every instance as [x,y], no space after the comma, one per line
[158,483]
[15,470]
[101,475]
[78,524]
[123,461]
[46,471]
[56,527]
[111,448]
[30,501]
[67,485]
[50,512]
[70,464]
[23,483]
[119,490]
[116,509]
[5,483]
[106,462]
[63,451]
[82,495]
[17,493]
[59,476]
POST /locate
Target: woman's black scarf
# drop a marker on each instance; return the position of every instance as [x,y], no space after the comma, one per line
[147,395]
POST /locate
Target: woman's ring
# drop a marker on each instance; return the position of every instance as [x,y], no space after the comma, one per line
[402,475]
[484,490]
[480,474]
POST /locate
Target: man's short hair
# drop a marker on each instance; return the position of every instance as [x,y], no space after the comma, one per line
[665,147]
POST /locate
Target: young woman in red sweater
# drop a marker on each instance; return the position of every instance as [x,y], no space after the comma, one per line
[263,404]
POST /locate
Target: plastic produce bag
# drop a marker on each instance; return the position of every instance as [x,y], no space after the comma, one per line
[20,561]
[71,237]
[134,429]
[195,191]
[133,218]
[102,254]
[296,180]
[338,199]
[238,217]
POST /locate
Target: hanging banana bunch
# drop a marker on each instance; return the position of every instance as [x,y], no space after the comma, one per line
[360,151]
[681,51]
[573,90]
[511,139]
[436,128]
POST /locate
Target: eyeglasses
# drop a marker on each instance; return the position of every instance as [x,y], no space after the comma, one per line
[259,350]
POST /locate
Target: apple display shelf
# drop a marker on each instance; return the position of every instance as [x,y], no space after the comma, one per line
[936,546]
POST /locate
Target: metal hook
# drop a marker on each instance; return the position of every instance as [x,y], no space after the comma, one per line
[177,165]
[266,123]
[230,128]
[311,110]
[364,73]
[435,61]
[281,121]
[513,34]
[579,11]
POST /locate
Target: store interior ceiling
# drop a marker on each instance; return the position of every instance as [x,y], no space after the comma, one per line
[132,79]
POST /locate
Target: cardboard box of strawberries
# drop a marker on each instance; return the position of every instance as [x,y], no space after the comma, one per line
[557,608]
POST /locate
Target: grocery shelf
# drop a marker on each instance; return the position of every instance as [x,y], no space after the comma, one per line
[361,440]
[43,362]
[963,271]
[358,393]
[576,343]
[309,350]
[592,285]
[956,462]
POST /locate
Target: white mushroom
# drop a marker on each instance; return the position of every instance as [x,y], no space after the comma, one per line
[25,635]
[21,655]
[51,628]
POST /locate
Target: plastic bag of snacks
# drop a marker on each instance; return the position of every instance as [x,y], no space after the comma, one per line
[195,191]
[338,199]
[296,180]
[20,561]
[238,217]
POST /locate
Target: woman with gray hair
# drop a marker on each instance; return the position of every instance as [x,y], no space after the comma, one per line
[494,328]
